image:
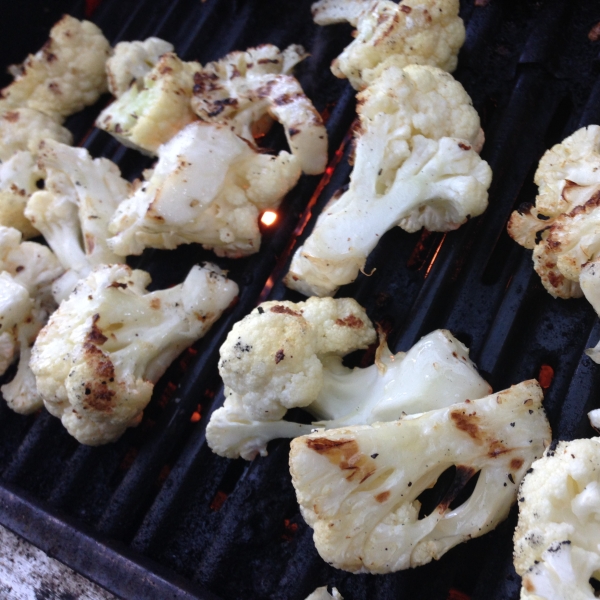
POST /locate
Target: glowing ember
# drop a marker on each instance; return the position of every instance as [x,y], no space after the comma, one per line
[268,218]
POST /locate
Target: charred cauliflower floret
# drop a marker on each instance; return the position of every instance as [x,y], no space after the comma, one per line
[358,487]
[422,32]
[281,356]
[27,271]
[25,128]
[154,108]
[73,211]
[132,61]
[99,356]
[246,90]
[416,165]
[556,540]
[560,227]
[210,187]
[66,75]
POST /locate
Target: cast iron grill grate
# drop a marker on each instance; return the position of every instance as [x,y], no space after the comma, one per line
[157,515]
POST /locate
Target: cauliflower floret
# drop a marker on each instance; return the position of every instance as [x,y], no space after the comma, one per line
[425,32]
[244,89]
[99,356]
[131,62]
[74,210]
[416,166]
[556,540]
[25,128]
[209,187]
[155,108]
[285,355]
[66,75]
[560,228]
[322,594]
[27,271]
[358,487]
[19,177]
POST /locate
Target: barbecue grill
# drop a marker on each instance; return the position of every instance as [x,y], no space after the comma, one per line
[156,514]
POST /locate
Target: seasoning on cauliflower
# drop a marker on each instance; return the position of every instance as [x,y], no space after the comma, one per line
[322,594]
[27,270]
[416,165]
[154,108]
[358,487]
[74,210]
[425,32]
[131,62]
[560,227]
[25,128]
[19,177]
[279,357]
[556,540]
[102,351]
[66,75]
[209,186]
[244,90]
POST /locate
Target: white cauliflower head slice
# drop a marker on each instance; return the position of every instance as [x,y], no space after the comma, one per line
[415,166]
[19,178]
[154,108]
[74,211]
[567,176]
[131,61]
[589,280]
[24,128]
[66,75]
[556,540]
[278,357]
[423,32]
[245,89]
[27,270]
[209,186]
[358,487]
[99,356]
[322,594]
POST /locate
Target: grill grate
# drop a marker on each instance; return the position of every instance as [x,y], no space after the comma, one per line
[157,515]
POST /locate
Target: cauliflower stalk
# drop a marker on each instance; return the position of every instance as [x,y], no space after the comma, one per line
[27,271]
[99,356]
[556,540]
[358,487]
[132,61]
[208,187]
[66,75]
[560,228]
[74,210]
[154,108]
[322,594]
[281,356]
[423,32]
[246,90]
[416,165]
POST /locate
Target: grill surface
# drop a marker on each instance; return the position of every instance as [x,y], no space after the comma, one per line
[157,515]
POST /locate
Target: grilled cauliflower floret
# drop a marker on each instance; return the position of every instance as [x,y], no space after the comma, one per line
[423,32]
[245,89]
[589,280]
[131,61]
[74,210]
[25,128]
[322,594]
[155,108]
[66,75]
[208,187]
[415,166]
[278,357]
[27,270]
[19,176]
[358,486]
[560,227]
[556,540]
[99,356]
